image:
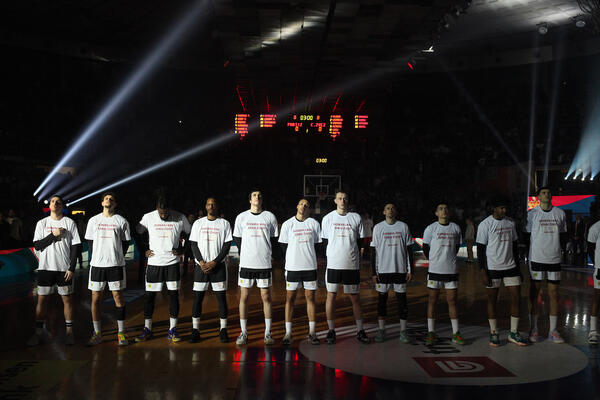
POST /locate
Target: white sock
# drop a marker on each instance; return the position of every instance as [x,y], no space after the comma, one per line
[96,326]
[243,323]
[121,326]
[172,323]
[553,319]
[330,324]
[454,323]
[288,328]
[359,325]
[514,324]
[533,322]
[311,327]
[195,323]
[381,323]
[148,323]
[268,325]
[402,325]
[430,325]
[493,327]
[593,323]
[223,322]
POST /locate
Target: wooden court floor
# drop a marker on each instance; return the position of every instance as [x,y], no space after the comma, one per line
[160,370]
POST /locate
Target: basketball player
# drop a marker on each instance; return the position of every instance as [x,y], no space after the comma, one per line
[108,237]
[164,227]
[441,241]
[210,241]
[391,260]
[594,253]
[298,238]
[497,248]
[547,231]
[57,240]
[342,232]
[253,232]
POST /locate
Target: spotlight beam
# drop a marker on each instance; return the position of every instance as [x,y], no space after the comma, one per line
[132,83]
[171,160]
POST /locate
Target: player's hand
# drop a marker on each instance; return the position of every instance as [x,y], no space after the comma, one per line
[375,279]
[68,275]
[210,265]
[408,277]
[204,266]
[149,253]
[177,252]
[58,232]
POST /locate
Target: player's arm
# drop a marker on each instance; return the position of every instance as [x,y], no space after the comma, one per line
[222,254]
[125,246]
[51,238]
[196,251]
[591,248]
[238,243]
[283,248]
[426,249]
[515,250]
[411,258]
[374,262]
[564,239]
[91,246]
[73,257]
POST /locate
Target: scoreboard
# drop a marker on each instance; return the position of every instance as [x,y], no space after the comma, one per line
[332,125]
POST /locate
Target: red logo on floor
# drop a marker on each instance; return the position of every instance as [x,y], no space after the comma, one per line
[454,367]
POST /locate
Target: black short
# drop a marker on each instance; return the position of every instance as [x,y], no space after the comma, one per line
[251,273]
[395,277]
[506,273]
[162,273]
[545,267]
[217,274]
[432,276]
[51,278]
[106,274]
[343,276]
[301,276]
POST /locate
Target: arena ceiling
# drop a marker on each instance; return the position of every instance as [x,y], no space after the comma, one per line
[285,44]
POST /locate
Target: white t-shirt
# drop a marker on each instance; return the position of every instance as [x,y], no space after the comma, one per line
[390,242]
[163,235]
[498,236]
[342,233]
[57,256]
[108,235]
[594,237]
[545,228]
[443,241]
[256,231]
[301,237]
[211,236]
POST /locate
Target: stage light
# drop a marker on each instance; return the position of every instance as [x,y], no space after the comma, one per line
[172,160]
[45,201]
[542,28]
[131,84]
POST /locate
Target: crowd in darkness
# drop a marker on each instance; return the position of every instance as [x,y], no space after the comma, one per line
[426,143]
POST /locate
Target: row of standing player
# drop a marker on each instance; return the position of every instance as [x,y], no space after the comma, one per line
[254,229]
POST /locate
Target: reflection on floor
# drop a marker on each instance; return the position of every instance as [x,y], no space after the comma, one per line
[209,369]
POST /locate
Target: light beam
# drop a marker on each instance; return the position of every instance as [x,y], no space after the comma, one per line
[133,82]
[171,160]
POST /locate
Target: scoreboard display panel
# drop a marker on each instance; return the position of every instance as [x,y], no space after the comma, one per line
[332,125]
